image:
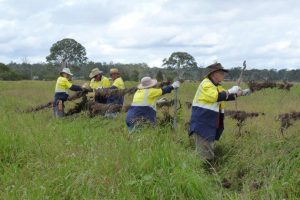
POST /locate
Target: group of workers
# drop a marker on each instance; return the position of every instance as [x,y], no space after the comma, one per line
[207,117]
[98,80]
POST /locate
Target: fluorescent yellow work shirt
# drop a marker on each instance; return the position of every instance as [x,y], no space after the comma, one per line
[146,97]
[119,83]
[62,85]
[207,96]
[103,83]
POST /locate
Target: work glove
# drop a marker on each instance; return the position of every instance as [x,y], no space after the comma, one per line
[234,90]
[176,84]
[246,92]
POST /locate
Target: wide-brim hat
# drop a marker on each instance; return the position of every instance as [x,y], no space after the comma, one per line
[213,68]
[66,70]
[95,72]
[114,71]
[147,82]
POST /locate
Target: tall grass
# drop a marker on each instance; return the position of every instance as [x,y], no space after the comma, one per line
[95,158]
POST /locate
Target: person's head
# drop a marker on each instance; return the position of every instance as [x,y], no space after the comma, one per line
[147,82]
[66,73]
[216,72]
[114,73]
[96,74]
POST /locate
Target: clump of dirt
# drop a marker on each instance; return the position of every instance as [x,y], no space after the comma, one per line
[240,117]
[256,86]
[256,185]
[285,86]
[286,119]
[226,183]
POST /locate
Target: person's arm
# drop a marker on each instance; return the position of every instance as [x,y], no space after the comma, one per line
[225,96]
[171,87]
[69,85]
[75,88]
[167,89]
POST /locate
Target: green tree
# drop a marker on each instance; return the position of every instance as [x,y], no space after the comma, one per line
[180,60]
[67,52]
[159,76]
[134,75]
[7,74]
[3,68]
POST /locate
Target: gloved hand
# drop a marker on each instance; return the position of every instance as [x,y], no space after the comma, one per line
[176,84]
[246,92]
[234,89]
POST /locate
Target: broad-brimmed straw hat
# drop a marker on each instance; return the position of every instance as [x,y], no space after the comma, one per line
[213,68]
[114,71]
[147,82]
[67,71]
[95,72]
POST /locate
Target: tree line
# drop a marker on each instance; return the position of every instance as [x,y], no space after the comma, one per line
[69,53]
[134,72]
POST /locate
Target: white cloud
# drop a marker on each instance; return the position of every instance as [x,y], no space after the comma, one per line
[265,33]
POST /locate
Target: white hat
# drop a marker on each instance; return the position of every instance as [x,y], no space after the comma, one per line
[67,71]
[147,82]
[95,72]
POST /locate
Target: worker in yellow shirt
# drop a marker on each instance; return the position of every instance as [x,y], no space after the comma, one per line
[99,81]
[118,83]
[62,86]
[207,119]
[143,107]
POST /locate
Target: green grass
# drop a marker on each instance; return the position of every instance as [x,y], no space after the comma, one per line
[95,158]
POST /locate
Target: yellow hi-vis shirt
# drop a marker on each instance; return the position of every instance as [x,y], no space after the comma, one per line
[103,83]
[146,97]
[62,85]
[207,95]
[119,83]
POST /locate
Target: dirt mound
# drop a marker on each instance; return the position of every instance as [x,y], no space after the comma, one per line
[286,119]
[256,86]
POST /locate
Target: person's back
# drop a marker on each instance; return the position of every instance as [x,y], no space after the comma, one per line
[143,107]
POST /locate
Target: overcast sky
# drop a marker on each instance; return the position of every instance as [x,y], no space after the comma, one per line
[265,33]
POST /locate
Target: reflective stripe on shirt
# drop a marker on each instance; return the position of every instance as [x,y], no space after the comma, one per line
[145,101]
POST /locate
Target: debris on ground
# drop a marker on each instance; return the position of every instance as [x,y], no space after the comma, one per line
[240,117]
[286,119]
[256,86]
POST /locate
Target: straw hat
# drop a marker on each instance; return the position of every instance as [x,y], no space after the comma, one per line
[114,71]
[147,82]
[67,71]
[213,68]
[95,72]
